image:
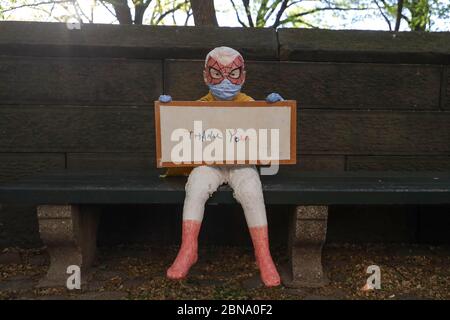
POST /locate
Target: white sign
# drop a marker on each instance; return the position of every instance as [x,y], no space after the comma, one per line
[191,133]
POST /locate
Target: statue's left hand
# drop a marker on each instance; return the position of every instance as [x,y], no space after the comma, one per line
[274,97]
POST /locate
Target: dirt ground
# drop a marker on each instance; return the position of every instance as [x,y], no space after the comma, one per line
[138,272]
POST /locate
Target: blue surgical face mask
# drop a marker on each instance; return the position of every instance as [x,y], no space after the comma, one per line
[225,90]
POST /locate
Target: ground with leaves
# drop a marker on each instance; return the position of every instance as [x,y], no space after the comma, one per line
[137,272]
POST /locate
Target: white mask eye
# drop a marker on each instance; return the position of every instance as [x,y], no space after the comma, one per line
[214,73]
[235,73]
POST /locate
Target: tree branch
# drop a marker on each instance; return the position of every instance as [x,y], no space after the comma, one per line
[139,11]
[272,9]
[79,11]
[237,14]
[177,7]
[280,12]
[399,14]
[246,4]
[36,4]
[107,8]
[299,20]
[188,15]
[261,12]
[383,15]
[304,13]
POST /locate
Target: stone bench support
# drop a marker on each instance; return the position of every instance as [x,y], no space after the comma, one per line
[70,234]
[307,236]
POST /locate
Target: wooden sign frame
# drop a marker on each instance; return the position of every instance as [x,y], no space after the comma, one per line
[233,104]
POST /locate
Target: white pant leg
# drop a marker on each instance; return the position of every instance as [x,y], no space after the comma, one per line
[203,181]
[248,192]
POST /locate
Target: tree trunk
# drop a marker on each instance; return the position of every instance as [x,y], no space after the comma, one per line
[139,13]
[123,12]
[204,12]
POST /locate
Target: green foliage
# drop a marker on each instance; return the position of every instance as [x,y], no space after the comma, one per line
[168,8]
[417,14]
[422,11]
[295,13]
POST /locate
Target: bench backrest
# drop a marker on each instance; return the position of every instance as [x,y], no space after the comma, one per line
[84,99]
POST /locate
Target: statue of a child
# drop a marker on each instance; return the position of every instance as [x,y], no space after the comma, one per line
[224,74]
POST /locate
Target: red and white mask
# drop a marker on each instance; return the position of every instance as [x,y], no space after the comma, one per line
[224,63]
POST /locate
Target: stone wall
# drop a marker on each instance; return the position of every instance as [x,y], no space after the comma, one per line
[83,99]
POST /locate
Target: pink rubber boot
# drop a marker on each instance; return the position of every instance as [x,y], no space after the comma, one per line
[269,273]
[187,256]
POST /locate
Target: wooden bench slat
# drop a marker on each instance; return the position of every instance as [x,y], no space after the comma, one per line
[76,187]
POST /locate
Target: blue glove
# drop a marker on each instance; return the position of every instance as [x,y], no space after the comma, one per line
[165,98]
[274,97]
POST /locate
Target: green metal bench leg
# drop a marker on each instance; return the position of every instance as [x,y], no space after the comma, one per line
[307,235]
[70,234]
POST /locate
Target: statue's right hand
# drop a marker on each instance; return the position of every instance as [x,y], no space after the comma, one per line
[165,98]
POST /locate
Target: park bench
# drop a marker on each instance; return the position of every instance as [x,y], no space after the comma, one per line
[68,205]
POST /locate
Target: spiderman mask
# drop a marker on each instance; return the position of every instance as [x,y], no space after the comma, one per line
[224,73]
